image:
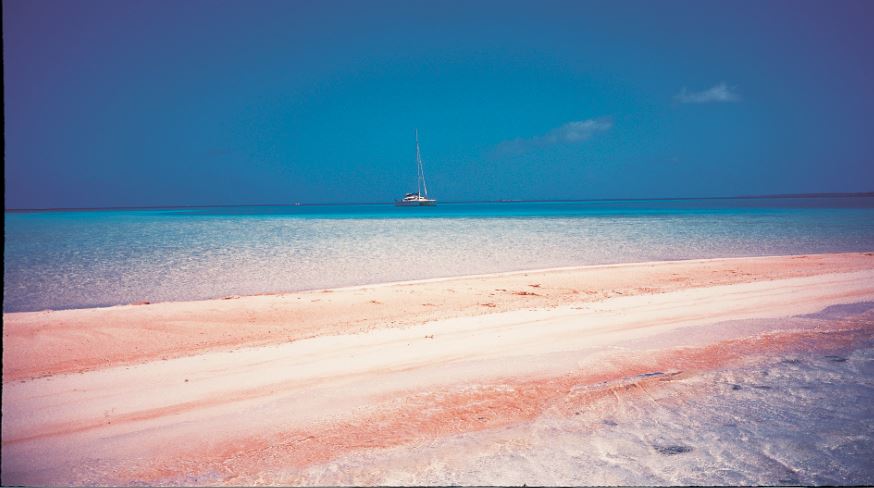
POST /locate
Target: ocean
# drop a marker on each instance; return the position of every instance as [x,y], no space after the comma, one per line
[93,258]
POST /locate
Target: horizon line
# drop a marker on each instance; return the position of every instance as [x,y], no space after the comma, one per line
[559,200]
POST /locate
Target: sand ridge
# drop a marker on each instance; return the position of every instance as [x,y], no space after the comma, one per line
[38,344]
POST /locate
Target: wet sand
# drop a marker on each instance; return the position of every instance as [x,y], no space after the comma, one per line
[310,388]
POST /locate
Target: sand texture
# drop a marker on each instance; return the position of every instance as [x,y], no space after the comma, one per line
[738,371]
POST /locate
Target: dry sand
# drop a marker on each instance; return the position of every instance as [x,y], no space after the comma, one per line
[282,388]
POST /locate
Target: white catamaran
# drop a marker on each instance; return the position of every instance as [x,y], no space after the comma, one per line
[417,199]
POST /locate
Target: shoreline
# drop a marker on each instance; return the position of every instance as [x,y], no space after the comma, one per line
[45,343]
[441,279]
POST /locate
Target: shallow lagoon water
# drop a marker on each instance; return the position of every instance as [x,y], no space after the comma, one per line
[74,259]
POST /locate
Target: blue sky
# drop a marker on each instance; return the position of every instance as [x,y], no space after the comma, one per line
[128,103]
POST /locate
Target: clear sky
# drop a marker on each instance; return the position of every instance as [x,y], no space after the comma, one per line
[128,103]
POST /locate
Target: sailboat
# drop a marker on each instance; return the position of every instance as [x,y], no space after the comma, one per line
[417,199]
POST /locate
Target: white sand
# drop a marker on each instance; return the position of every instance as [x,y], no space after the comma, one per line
[168,420]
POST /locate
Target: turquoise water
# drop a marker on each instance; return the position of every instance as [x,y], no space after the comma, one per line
[73,259]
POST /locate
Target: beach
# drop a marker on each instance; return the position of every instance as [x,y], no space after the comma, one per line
[746,370]
[423,244]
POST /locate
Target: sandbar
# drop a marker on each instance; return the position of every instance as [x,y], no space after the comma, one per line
[308,388]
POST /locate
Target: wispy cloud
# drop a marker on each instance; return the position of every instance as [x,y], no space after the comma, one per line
[572,132]
[719,93]
[578,131]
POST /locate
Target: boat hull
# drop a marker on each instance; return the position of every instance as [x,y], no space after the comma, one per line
[416,203]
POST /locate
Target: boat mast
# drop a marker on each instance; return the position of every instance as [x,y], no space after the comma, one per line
[420,183]
[418,167]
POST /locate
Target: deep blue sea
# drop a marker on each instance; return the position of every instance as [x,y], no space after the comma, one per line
[73,259]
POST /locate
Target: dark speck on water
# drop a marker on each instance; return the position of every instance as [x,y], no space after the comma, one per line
[735,387]
[611,423]
[672,450]
[836,359]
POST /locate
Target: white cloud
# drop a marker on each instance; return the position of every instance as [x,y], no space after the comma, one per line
[719,93]
[569,133]
[576,131]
